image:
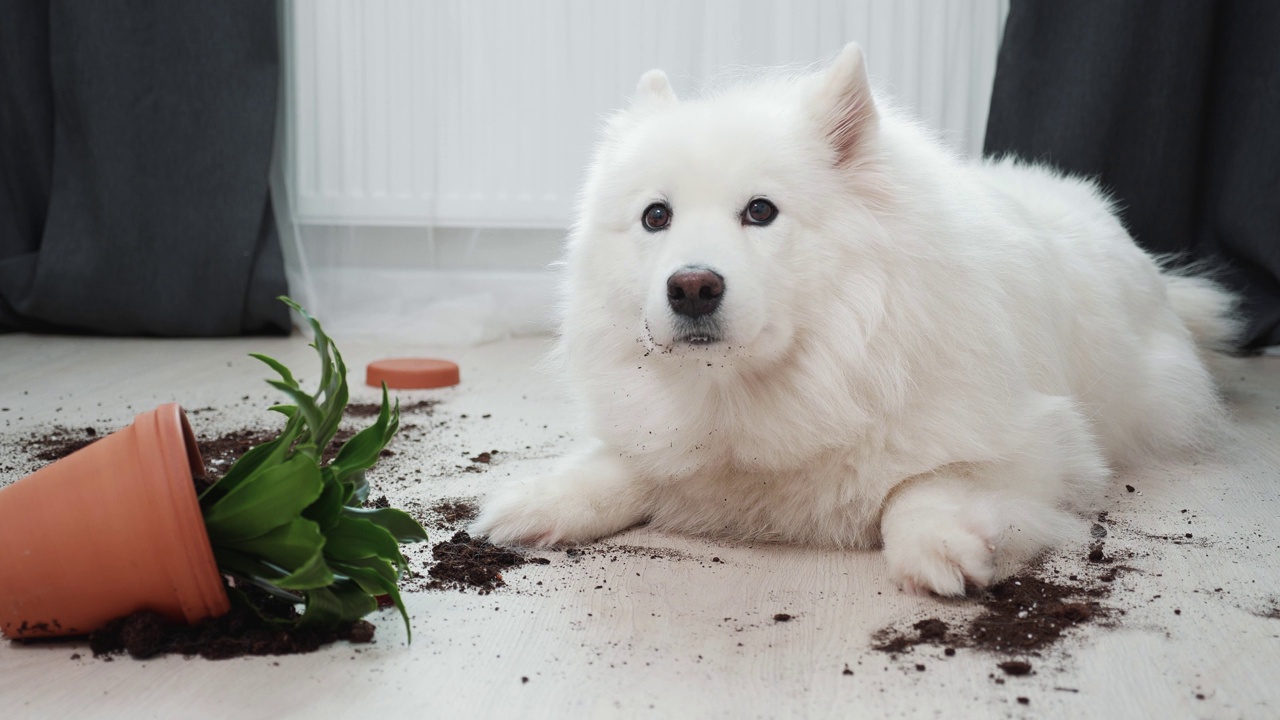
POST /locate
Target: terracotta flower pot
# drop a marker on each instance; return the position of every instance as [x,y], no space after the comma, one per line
[109,530]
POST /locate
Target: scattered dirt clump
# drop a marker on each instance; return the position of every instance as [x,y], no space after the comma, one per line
[464,562]
[930,631]
[1015,667]
[452,513]
[1271,613]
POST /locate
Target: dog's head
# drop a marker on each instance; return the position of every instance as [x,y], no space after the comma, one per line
[715,226]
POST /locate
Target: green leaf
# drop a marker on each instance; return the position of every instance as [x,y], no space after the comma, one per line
[244,566]
[278,367]
[342,601]
[326,510]
[362,451]
[357,490]
[397,522]
[314,574]
[238,597]
[333,381]
[306,405]
[356,538]
[297,548]
[265,455]
[335,402]
[370,574]
[267,499]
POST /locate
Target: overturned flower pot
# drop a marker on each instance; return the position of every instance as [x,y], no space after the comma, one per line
[112,529]
[119,527]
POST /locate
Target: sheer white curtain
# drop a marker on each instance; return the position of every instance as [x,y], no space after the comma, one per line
[447,137]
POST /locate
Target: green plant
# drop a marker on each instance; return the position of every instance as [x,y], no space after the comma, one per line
[287,521]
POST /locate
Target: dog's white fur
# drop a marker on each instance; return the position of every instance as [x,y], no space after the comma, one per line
[943,357]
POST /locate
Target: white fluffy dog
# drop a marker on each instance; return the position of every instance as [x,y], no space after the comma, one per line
[793,316]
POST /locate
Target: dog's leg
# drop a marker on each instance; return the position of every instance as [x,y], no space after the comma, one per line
[950,527]
[937,537]
[594,495]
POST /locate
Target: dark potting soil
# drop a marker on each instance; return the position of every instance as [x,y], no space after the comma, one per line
[1015,667]
[1271,613]
[221,452]
[1020,615]
[60,442]
[218,453]
[465,562]
[452,513]
[239,633]
[340,437]
[367,410]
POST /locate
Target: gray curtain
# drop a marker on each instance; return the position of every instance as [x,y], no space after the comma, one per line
[135,145]
[1175,106]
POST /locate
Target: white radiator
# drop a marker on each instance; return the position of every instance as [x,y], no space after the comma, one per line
[481,113]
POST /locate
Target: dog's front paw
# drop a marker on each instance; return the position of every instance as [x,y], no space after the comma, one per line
[940,557]
[529,515]
[579,506]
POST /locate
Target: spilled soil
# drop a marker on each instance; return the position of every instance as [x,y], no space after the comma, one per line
[241,632]
[1272,613]
[1021,615]
[371,410]
[452,513]
[221,452]
[60,442]
[463,562]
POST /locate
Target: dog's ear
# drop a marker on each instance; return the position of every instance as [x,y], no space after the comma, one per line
[654,89]
[844,105]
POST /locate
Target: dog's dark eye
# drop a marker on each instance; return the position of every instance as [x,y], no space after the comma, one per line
[656,217]
[759,212]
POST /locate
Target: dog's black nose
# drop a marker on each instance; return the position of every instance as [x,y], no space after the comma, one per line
[694,292]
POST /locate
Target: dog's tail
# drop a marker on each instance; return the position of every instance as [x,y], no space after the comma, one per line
[1207,308]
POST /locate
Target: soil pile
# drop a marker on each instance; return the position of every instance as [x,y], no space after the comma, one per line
[1020,615]
[463,561]
[239,633]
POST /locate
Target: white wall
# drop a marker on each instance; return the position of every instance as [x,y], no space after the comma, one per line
[440,121]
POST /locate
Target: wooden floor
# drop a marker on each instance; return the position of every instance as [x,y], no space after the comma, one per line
[687,630]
